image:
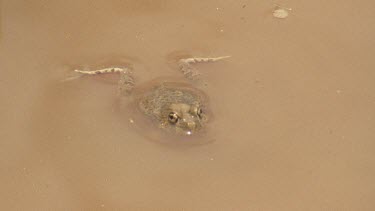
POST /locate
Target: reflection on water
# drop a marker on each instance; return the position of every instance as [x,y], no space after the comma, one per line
[293,107]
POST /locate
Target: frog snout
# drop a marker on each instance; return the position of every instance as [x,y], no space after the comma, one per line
[189,123]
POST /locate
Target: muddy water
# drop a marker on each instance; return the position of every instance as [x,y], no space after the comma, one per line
[294,106]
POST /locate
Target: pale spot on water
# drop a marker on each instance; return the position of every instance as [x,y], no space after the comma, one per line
[281,12]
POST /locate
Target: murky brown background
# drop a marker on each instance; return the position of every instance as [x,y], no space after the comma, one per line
[294,107]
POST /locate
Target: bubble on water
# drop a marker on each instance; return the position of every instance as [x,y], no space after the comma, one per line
[281,12]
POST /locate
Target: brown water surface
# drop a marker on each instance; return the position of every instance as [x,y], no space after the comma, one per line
[293,108]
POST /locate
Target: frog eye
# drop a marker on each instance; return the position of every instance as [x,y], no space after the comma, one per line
[173,117]
[199,112]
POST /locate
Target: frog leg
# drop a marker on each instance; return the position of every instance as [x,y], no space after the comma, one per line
[126,82]
[189,71]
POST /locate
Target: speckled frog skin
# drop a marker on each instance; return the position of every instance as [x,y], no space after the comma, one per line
[175,107]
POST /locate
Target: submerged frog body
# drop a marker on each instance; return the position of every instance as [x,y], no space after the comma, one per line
[175,107]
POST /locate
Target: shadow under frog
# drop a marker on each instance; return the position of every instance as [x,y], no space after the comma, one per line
[177,108]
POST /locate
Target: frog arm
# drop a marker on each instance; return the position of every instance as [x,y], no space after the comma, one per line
[189,71]
[193,60]
[126,82]
[102,71]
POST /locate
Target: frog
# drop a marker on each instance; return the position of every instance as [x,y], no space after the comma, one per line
[176,107]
